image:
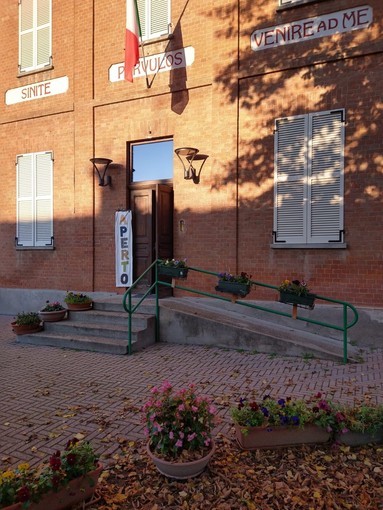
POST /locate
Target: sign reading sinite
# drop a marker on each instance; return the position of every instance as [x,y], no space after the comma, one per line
[311,28]
[37,90]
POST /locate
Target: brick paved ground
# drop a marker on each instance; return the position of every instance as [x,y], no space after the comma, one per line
[47,395]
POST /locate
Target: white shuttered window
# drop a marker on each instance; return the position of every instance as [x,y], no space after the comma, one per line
[35,199]
[154,18]
[308,179]
[35,34]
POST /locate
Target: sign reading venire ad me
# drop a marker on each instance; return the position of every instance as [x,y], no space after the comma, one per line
[311,28]
[123,242]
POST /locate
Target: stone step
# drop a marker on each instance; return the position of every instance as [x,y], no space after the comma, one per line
[99,329]
[79,342]
[109,317]
[102,329]
[148,306]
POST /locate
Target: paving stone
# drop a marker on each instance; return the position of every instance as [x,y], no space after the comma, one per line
[49,394]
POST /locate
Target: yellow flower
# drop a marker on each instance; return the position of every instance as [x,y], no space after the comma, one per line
[24,466]
[8,475]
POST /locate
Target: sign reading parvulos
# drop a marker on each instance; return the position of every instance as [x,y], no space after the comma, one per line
[311,28]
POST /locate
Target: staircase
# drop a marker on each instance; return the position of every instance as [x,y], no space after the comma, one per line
[193,321]
[102,329]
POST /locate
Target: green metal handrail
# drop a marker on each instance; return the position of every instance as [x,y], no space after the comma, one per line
[130,310]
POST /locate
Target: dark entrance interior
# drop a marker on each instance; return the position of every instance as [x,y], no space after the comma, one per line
[152,213]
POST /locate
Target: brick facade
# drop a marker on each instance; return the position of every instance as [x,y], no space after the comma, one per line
[225,104]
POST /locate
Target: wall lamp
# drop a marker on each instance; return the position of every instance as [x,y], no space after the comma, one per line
[190,159]
[98,163]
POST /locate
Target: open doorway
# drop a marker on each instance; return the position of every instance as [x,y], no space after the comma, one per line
[150,194]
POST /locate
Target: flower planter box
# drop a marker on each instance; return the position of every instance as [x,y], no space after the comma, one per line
[352,438]
[279,436]
[306,301]
[174,272]
[79,307]
[181,470]
[78,490]
[239,289]
[54,316]
[26,329]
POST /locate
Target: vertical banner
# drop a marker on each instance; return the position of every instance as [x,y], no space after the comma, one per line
[124,255]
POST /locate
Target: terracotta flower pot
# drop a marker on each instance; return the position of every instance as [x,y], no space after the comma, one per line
[181,470]
[26,329]
[251,438]
[79,307]
[77,490]
[56,315]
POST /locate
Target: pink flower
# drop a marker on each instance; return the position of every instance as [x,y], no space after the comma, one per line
[171,435]
[207,442]
[194,409]
[212,409]
[154,390]
[179,443]
[166,386]
[181,407]
[182,435]
[191,436]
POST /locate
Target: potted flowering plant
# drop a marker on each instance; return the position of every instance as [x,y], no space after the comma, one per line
[176,268]
[359,424]
[277,422]
[179,430]
[69,478]
[235,284]
[78,301]
[26,322]
[52,312]
[296,292]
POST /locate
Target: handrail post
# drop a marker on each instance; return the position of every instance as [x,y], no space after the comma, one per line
[344,333]
[157,306]
[130,324]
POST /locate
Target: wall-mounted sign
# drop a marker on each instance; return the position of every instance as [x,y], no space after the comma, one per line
[37,90]
[158,63]
[311,28]
[123,246]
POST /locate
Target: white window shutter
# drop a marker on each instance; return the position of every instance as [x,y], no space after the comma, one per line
[25,34]
[290,190]
[25,222]
[35,34]
[44,202]
[141,5]
[325,214]
[43,32]
[159,17]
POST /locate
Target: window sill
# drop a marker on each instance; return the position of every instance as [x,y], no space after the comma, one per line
[297,4]
[35,71]
[167,37]
[34,248]
[325,246]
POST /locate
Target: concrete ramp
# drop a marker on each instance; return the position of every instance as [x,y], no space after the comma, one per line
[219,323]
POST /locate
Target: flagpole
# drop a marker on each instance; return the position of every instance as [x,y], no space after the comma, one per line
[142,45]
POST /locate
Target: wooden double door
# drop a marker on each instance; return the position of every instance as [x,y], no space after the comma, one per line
[152,224]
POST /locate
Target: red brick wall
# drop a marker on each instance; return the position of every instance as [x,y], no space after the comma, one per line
[224,104]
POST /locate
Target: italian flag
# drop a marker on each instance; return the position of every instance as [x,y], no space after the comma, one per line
[131,39]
